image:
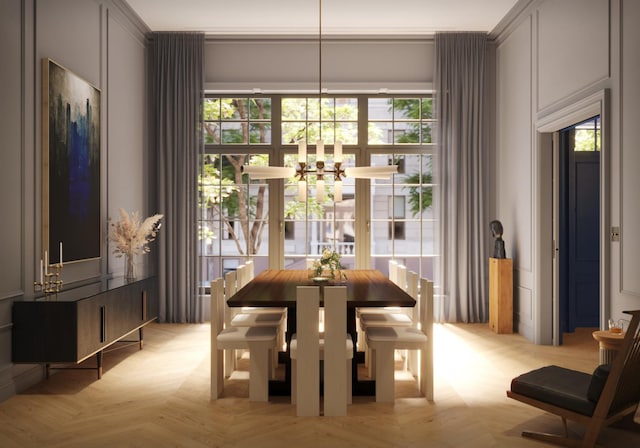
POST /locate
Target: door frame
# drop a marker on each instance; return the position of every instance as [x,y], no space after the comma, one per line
[546,306]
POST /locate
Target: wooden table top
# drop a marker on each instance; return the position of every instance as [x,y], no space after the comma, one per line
[277,288]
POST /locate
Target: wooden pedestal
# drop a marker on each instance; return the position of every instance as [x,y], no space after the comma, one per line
[501,295]
[609,343]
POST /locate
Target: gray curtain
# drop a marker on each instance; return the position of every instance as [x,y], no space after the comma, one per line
[459,82]
[176,73]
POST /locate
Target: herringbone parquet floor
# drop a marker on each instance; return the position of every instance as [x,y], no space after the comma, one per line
[159,397]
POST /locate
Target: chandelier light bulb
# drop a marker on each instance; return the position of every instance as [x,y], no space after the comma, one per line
[337,152]
[302,151]
[337,191]
[320,190]
[320,150]
[302,190]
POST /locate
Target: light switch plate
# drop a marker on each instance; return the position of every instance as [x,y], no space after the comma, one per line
[615,233]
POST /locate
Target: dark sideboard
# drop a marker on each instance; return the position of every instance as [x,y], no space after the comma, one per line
[76,324]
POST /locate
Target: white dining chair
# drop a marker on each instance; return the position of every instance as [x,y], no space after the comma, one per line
[337,352]
[305,353]
[384,316]
[230,288]
[251,270]
[335,349]
[253,317]
[385,340]
[412,356]
[260,341]
[393,271]
[242,275]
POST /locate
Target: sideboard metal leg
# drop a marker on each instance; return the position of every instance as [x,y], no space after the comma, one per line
[99,363]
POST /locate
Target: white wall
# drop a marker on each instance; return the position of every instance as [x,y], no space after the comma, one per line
[11,201]
[513,162]
[552,57]
[347,64]
[626,278]
[98,41]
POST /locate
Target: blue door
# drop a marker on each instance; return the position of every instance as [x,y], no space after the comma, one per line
[580,226]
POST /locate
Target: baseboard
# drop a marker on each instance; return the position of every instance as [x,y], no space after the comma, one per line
[18,378]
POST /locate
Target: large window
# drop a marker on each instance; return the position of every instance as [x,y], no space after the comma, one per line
[241,216]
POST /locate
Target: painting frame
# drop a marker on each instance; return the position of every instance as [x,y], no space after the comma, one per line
[71,159]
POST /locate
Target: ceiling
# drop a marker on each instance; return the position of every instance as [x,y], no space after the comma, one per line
[339,17]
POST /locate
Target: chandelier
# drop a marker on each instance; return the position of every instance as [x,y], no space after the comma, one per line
[303,170]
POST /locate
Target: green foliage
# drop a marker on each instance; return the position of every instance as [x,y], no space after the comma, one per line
[413,109]
[329,261]
[420,198]
[298,210]
[213,189]
[587,140]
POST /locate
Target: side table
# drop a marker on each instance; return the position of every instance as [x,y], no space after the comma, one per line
[609,344]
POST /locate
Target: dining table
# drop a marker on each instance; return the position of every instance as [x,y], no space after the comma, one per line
[277,288]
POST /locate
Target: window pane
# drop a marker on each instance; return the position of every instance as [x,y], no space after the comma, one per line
[380,133]
[406,133]
[234,133]
[587,136]
[293,131]
[328,111]
[260,109]
[406,109]
[347,133]
[260,132]
[211,132]
[313,112]
[346,109]
[426,133]
[294,109]
[427,108]
[327,133]
[235,109]
[380,108]
[211,109]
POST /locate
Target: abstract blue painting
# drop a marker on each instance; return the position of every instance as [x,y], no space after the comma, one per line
[71,165]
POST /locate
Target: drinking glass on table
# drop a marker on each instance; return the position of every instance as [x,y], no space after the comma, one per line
[616,326]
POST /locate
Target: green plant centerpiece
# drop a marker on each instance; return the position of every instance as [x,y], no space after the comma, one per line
[328,266]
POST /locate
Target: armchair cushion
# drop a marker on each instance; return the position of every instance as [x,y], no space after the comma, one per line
[598,379]
[557,386]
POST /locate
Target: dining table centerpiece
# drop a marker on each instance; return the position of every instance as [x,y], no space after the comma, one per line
[328,266]
[132,235]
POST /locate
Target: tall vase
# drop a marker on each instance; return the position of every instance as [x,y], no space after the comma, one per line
[129,268]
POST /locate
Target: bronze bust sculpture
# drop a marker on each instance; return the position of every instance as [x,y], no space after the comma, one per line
[498,247]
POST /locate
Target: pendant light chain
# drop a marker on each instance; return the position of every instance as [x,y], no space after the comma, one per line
[320,68]
[303,170]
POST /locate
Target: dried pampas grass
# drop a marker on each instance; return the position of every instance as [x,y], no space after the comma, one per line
[131,234]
